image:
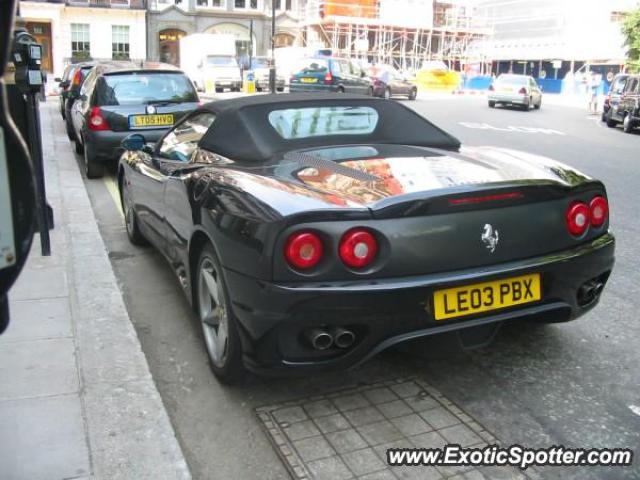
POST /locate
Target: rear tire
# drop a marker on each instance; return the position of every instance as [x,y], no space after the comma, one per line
[627,124]
[340,90]
[387,93]
[280,89]
[538,105]
[79,147]
[413,94]
[131,219]
[611,123]
[370,92]
[214,310]
[219,90]
[492,104]
[69,128]
[92,168]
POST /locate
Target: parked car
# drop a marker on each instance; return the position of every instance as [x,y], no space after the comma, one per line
[260,67]
[63,84]
[116,99]
[519,90]
[314,231]
[627,111]
[330,74]
[615,92]
[388,82]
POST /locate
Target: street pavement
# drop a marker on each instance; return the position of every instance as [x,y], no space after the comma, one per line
[575,384]
[77,400]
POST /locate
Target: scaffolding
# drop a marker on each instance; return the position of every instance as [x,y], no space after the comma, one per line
[407,45]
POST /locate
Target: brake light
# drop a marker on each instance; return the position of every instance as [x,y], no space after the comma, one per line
[303,250]
[328,78]
[96,121]
[77,78]
[577,218]
[358,248]
[522,91]
[491,88]
[599,211]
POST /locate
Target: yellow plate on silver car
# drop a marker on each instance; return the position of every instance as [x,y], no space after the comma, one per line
[151,120]
[486,296]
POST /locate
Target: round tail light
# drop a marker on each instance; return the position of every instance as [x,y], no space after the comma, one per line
[358,248]
[303,250]
[577,218]
[599,211]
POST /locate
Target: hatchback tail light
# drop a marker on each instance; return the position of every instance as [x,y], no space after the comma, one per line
[303,250]
[328,78]
[97,122]
[577,218]
[599,209]
[522,91]
[358,248]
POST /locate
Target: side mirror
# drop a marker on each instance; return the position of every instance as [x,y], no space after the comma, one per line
[134,142]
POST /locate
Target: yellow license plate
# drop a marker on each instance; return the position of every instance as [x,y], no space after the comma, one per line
[309,80]
[151,120]
[483,297]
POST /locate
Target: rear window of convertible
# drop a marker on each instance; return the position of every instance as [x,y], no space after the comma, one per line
[294,123]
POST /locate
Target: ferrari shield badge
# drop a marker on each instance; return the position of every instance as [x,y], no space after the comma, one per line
[490,237]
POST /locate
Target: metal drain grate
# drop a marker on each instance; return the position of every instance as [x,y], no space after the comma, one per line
[345,434]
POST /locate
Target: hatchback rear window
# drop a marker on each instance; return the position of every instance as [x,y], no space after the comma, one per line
[312,66]
[509,80]
[145,88]
[295,123]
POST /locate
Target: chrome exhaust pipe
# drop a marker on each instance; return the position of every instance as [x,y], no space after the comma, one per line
[319,339]
[343,338]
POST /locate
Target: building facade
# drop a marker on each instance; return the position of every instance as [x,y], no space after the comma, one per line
[75,30]
[549,38]
[249,21]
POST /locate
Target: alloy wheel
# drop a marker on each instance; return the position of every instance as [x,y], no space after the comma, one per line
[213,313]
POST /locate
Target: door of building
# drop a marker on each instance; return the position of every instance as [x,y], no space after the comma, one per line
[42,33]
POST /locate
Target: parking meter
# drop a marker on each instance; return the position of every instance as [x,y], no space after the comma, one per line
[17,179]
[27,59]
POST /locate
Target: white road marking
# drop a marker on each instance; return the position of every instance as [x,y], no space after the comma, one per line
[112,188]
[486,126]
[635,409]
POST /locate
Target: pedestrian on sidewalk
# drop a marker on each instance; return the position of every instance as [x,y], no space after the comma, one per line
[593,87]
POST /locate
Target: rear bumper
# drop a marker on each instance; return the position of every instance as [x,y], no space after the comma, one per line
[312,87]
[104,146]
[515,99]
[385,312]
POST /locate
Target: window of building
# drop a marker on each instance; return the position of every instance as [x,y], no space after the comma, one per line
[280,4]
[246,4]
[210,3]
[120,42]
[80,41]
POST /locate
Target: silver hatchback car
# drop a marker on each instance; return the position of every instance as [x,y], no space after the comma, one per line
[520,90]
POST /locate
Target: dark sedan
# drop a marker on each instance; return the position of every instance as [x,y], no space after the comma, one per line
[388,82]
[117,99]
[311,232]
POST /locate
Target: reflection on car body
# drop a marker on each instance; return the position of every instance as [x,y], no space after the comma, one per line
[303,247]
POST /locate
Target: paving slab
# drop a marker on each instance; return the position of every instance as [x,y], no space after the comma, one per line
[43,439]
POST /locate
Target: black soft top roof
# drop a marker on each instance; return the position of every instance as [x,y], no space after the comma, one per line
[242,130]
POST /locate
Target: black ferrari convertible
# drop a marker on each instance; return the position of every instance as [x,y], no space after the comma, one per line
[312,232]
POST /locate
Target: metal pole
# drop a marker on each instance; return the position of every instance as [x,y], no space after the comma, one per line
[272,68]
[35,141]
[250,42]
